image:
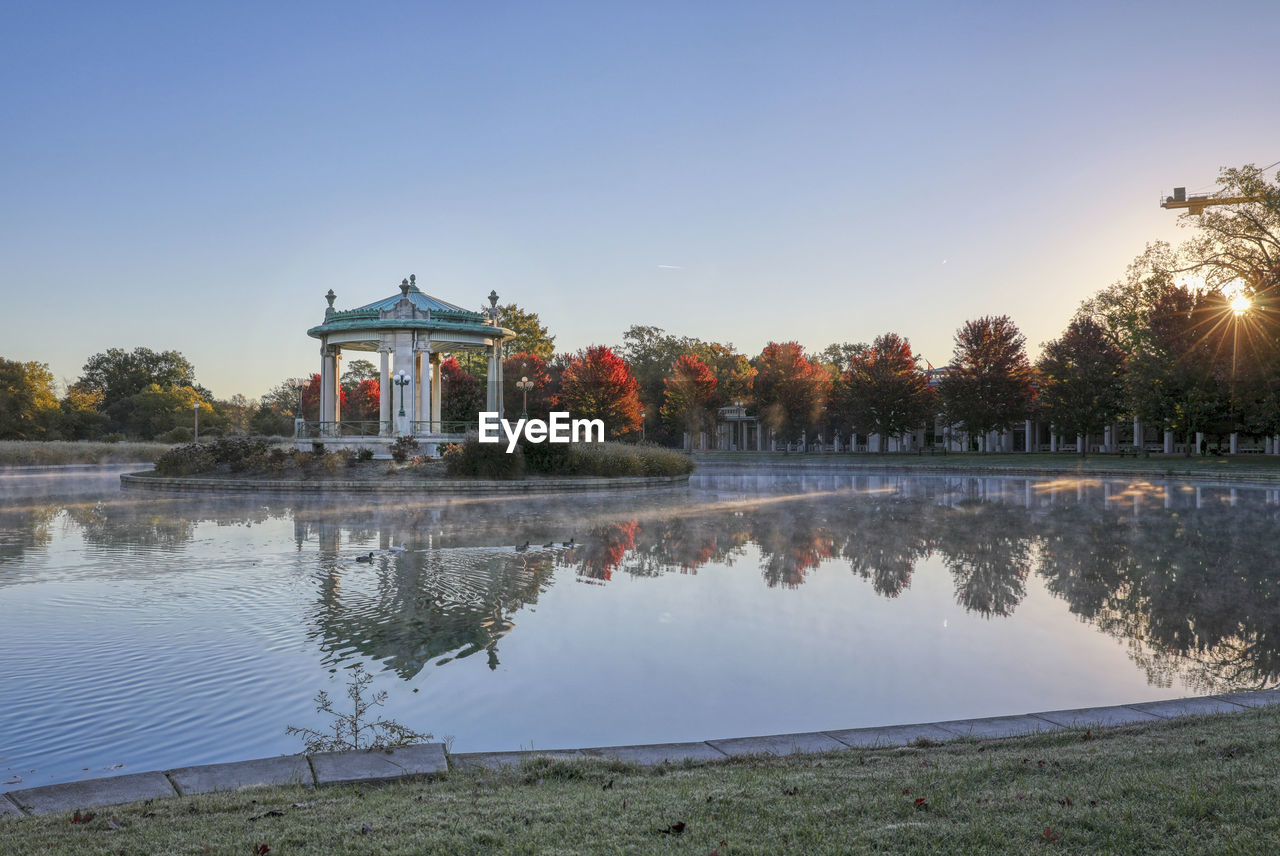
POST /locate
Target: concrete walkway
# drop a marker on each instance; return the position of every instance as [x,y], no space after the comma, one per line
[431,759]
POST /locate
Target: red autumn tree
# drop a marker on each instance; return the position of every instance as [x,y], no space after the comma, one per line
[790,390]
[688,395]
[885,391]
[362,403]
[598,384]
[461,395]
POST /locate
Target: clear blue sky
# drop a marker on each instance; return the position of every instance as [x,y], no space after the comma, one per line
[197,176]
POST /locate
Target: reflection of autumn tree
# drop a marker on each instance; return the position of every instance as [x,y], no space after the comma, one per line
[987,548]
[603,548]
[1208,595]
[23,530]
[687,543]
[426,604]
[141,526]
[792,541]
[1085,557]
[883,538]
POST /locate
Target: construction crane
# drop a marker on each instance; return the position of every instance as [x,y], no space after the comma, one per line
[1197,204]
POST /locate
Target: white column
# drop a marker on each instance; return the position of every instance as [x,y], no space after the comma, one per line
[1199,445]
[435,391]
[490,374]
[1168,442]
[1080,440]
[420,388]
[497,347]
[1235,443]
[326,385]
[384,393]
[1137,433]
[1053,438]
[1028,443]
[337,387]
[1106,438]
[759,438]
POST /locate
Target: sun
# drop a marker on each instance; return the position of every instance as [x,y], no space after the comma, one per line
[1240,303]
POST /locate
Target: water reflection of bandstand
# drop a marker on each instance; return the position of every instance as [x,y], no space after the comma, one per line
[416,601]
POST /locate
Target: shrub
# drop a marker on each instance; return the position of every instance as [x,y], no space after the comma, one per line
[186,460]
[403,448]
[364,453]
[179,434]
[605,459]
[113,437]
[483,460]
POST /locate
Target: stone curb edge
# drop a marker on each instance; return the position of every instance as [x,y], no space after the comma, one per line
[431,758]
[428,488]
[873,468]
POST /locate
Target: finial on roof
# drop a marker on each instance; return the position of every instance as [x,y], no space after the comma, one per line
[330,297]
[413,280]
[404,288]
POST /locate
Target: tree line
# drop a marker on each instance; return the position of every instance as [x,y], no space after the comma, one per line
[1187,341]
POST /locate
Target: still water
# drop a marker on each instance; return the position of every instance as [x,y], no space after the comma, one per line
[142,632]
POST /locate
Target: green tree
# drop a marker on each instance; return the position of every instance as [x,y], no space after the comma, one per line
[119,374]
[1238,245]
[531,336]
[1082,380]
[987,387]
[28,404]
[1174,380]
[598,384]
[790,390]
[884,391]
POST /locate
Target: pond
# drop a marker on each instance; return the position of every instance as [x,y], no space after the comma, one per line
[142,632]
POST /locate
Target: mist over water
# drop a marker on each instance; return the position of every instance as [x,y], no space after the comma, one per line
[142,631]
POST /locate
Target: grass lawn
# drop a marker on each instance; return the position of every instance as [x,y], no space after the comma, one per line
[31,453]
[1206,785]
[1207,466]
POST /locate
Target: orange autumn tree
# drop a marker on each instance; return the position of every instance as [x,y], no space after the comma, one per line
[790,390]
[598,384]
[688,395]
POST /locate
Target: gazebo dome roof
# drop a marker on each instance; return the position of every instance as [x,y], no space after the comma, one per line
[418,298]
[411,309]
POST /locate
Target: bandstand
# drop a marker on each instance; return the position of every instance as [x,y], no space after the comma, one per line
[410,332]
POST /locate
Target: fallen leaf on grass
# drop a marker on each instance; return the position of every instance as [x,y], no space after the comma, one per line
[676,828]
[275,812]
[260,849]
[717,852]
[366,828]
[1049,836]
[81,818]
[922,804]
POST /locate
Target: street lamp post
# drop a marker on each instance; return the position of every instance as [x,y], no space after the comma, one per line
[195,409]
[401,380]
[298,384]
[524,385]
[641,424]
